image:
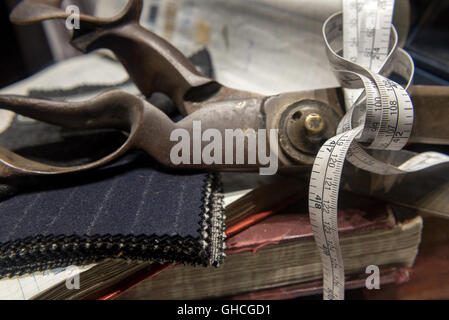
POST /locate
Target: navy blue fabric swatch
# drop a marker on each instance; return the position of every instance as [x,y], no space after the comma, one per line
[139,201]
[132,209]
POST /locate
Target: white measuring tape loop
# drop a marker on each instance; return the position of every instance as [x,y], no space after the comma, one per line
[381,118]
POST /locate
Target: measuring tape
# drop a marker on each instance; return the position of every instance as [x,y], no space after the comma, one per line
[366,29]
[379,116]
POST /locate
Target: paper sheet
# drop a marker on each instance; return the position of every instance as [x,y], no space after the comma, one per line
[24,288]
[259,45]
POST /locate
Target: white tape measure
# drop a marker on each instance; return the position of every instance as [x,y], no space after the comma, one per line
[380,117]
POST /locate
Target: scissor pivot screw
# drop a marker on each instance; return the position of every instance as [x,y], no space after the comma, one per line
[303,127]
[314,123]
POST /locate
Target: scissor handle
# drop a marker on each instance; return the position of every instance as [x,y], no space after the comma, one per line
[149,130]
[114,109]
[152,63]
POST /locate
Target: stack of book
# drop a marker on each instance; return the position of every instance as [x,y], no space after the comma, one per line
[271,253]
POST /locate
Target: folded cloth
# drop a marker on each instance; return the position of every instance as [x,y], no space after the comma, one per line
[132,209]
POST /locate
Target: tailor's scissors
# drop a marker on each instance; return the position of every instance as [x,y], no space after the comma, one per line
[303,120]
